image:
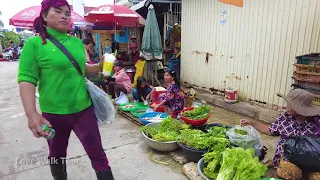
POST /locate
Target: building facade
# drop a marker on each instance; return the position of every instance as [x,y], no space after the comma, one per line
[252,48]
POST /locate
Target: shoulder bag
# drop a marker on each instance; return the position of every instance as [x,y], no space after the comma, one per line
[103,106]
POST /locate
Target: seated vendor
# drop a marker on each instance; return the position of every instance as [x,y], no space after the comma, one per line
[301,118]
[120,82]
[173,99]
[143,91]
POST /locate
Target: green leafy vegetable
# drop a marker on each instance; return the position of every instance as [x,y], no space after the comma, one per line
[149,131]
[169,130]
[197,113]
[238,164]
[199,140]
[213,160]
[240,131]
[166,136]
[169,124]
[218,131]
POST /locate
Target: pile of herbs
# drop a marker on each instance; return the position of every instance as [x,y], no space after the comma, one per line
[218,130]
[233,164]
[197,113]
[199,140]
[169,130]
[241,132]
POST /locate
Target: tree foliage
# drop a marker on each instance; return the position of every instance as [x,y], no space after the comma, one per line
[10,36]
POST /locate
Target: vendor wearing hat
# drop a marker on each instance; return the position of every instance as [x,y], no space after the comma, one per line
[120,82]
[134,50]
[301,118]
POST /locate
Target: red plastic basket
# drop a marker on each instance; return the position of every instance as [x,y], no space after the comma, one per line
[193,122]
[157,94]
[153,105]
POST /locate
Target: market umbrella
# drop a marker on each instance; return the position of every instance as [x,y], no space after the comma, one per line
[118,14]
[151,47]
[26,17]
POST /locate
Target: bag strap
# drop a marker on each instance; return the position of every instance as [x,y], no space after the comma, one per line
[67,53]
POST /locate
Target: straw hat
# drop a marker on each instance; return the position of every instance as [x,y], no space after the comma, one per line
[301,101]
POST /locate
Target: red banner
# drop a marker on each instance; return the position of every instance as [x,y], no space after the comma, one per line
[238,3]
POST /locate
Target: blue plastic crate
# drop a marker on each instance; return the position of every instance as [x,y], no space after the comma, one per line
[309,59]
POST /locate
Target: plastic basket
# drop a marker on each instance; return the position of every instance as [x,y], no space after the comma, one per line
[139,111]
[308,76]
[141,105]
[316,100]
[123,107]
[305,83]
[309,59]
[307,68]
[315,91]
[154,104]
[193,122]
[151,115]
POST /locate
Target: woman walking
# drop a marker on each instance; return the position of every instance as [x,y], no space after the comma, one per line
[64,100]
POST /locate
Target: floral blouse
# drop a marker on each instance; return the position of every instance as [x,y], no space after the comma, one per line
[174,98]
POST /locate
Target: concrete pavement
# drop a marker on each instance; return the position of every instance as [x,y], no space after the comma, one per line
[22,156]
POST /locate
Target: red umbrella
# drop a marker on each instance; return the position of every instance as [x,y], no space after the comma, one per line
[26,17]
[119,14]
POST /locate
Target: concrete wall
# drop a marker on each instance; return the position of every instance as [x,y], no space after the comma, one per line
[250,48]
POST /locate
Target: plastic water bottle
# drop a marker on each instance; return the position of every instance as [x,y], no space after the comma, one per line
[108,64]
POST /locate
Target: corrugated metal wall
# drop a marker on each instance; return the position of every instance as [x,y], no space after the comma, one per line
[253,51]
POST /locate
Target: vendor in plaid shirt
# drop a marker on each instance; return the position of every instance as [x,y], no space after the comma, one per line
[301,118]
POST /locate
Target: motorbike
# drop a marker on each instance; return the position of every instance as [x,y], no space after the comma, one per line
[12,54]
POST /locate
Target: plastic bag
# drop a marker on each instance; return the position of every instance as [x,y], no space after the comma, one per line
[303,151]
[122,99]
[103,106]
[251,139]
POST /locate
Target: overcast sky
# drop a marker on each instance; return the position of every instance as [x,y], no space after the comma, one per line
[11,7]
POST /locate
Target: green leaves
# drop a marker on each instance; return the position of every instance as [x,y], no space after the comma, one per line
[169,130]
[166,136]
[149,131]
[240,131]
[213,159]
[10,35]
[238,164]
[197,113]
[199,140]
